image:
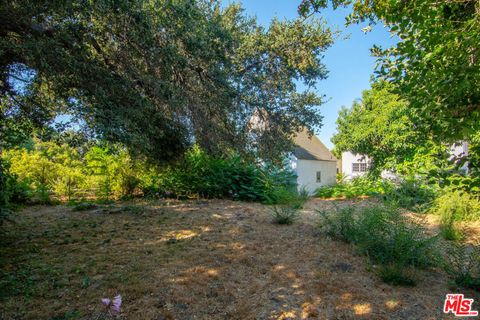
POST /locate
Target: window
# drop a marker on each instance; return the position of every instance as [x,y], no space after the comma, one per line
[359,167]
[319,176]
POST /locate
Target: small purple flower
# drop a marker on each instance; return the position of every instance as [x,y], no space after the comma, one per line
[106,302]
[117,303]
[113,306]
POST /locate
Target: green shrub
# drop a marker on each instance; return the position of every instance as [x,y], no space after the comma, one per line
[284,214]
[411,194]
[359,186]
[453,207]
[202,175]
[283,196]
[109,172]
[460,206]
[462,263]
[340,225]
[449,229]
[396,243]
[12,192]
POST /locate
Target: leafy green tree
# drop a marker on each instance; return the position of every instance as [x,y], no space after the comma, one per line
[158,75]
[435,63]
[381,126]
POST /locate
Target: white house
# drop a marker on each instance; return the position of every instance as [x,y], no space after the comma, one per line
[354,165]
[314,165]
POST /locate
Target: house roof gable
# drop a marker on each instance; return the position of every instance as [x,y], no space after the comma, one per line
[311,148]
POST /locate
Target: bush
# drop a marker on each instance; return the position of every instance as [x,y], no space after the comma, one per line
[284,214]
[359,186]
[411,194]
[462,263]
[47,169]
[396,243]
[453,207]
[340,225]
[283,196]
[449,228]
[12,192]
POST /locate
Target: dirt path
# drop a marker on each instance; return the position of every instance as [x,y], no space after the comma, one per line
[195,260]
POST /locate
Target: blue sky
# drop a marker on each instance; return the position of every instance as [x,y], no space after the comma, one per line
[349,61]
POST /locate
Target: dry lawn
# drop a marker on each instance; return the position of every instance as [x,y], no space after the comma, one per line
[195,260]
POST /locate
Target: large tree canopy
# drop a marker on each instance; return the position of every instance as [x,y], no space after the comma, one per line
[379,125]
[436,62]
[158,75]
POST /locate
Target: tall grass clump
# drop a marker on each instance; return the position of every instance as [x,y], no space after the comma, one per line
[462,263]
[398,245]
[284,214]
[453,207]
[286,204]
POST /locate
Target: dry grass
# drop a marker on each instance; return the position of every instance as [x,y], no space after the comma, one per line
[195,260]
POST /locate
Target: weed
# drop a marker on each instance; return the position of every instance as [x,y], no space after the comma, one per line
[453,207]
[359,186]
[411,194]
[396,243]
[84,206]
[284,214]
[340,225]
[462,263]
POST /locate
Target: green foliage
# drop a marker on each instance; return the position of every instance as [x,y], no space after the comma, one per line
[111,172]
[452,207]
[380,126]
[358,186]
[284,214]
[12,192]
[462,263]
[156,75]
[398,275]
[434,63]
[340,225]
[396,243]
[286,203]
[203,175]
[286,196]
[412,194]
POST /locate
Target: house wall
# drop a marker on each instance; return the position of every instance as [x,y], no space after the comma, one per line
[348,159]
[307,174]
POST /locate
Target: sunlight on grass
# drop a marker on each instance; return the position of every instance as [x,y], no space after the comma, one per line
[362,309]
[392,304]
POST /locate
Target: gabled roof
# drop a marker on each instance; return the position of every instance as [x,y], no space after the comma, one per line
[311,148]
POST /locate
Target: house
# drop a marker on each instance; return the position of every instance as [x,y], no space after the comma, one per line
[314,165]
[354,165]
